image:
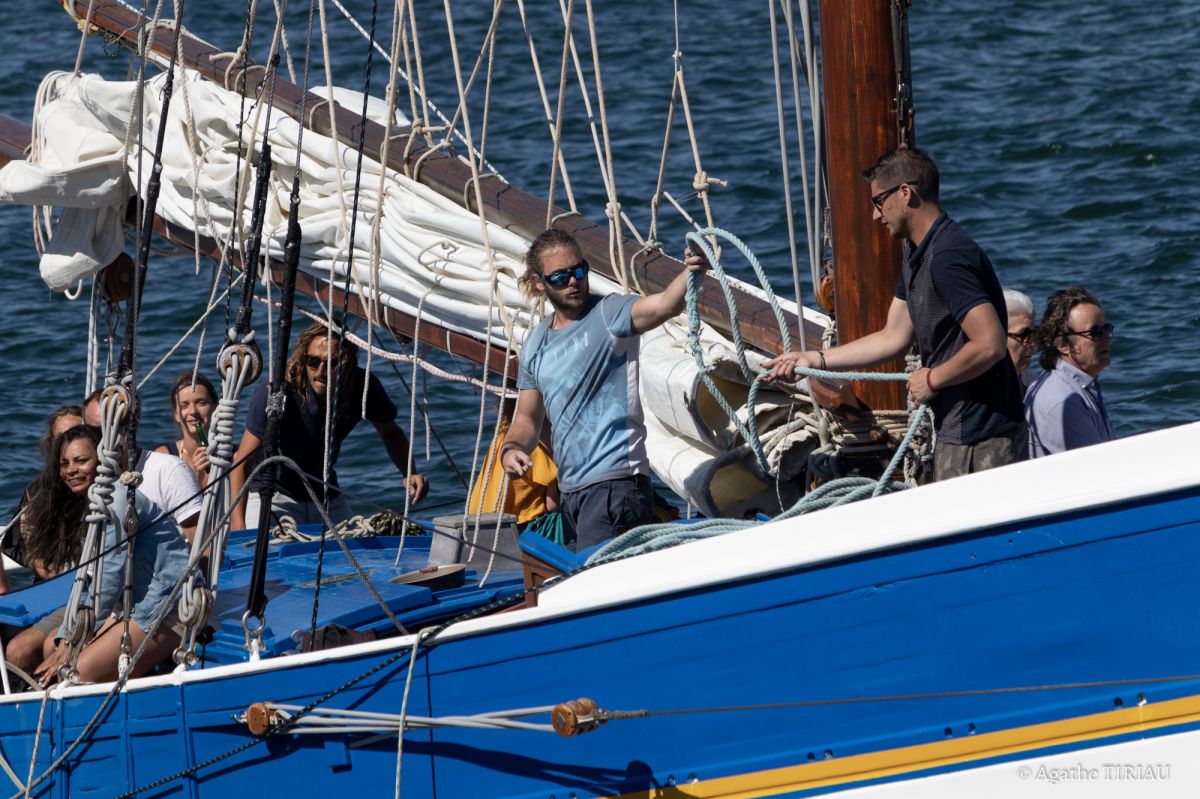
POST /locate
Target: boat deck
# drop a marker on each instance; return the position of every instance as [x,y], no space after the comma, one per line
[291,586]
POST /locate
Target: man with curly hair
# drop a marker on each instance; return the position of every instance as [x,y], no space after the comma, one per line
[1065,406]
[319,358]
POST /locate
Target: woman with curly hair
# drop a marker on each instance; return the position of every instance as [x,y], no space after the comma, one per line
[322,364]
[52,527]
[62,419]
[56,530]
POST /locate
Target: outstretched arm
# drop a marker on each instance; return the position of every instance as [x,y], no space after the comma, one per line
[875,348]
[523,433]
[397,446]
[652,310]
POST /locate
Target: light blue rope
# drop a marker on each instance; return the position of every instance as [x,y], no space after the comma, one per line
[749,430]
[652,537]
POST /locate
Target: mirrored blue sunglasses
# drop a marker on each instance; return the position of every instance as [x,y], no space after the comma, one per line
[562,278]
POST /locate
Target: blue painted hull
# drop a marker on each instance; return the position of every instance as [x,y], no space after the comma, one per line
[930,634]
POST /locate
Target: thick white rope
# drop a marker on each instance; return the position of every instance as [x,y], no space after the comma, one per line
[537,73]
[616,252]
[376,254]
[785,172]
[797,109]
[336,721]
[392,59]
[817,233]
[558,114]
[421,635]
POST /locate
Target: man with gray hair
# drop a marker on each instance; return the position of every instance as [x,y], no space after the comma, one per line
[1065,407]
[1022,330]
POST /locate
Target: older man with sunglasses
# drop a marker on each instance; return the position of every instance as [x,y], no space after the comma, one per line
[949,303]
[579,369]
[1065,406]
[1022,328]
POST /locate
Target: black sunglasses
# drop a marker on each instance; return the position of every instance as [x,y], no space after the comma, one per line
[1095,332]
[1024,336]
[879,199]
[562,278]
[314,362]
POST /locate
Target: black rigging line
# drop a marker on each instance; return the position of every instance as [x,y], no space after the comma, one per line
[256,597]
[332,402]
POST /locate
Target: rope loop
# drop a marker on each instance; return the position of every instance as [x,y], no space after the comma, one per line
[416,169]
[313,109]
[473,182]
[554,219]
[749,429]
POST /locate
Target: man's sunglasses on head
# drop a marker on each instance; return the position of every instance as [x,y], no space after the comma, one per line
[562,278]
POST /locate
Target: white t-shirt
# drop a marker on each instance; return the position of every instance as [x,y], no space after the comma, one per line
[170,484]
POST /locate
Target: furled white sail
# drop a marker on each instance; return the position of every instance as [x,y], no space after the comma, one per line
[432,255]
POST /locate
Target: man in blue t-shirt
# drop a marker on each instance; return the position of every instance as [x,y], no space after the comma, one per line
[579,368]
[950,303]
[302,434]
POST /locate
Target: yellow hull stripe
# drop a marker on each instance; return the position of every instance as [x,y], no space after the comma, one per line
[891,762]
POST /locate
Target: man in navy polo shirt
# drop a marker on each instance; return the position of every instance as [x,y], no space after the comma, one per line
[949,301]
[579,368]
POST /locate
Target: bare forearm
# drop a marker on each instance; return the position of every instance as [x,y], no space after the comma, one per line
[968,363]
[671,300]
[397,448]
[870,350]
[522,434]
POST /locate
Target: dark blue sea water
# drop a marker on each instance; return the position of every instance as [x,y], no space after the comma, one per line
[1065,133]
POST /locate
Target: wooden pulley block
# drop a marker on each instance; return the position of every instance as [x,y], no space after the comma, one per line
[116,279]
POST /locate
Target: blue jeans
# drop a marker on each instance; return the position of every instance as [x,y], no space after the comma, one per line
[604,510]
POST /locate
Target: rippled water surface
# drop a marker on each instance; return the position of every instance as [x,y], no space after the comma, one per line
[1066,134]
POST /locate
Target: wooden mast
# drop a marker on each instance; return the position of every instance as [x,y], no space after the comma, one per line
[859,72]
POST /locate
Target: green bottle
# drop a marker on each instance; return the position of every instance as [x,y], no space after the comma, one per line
[201,434]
